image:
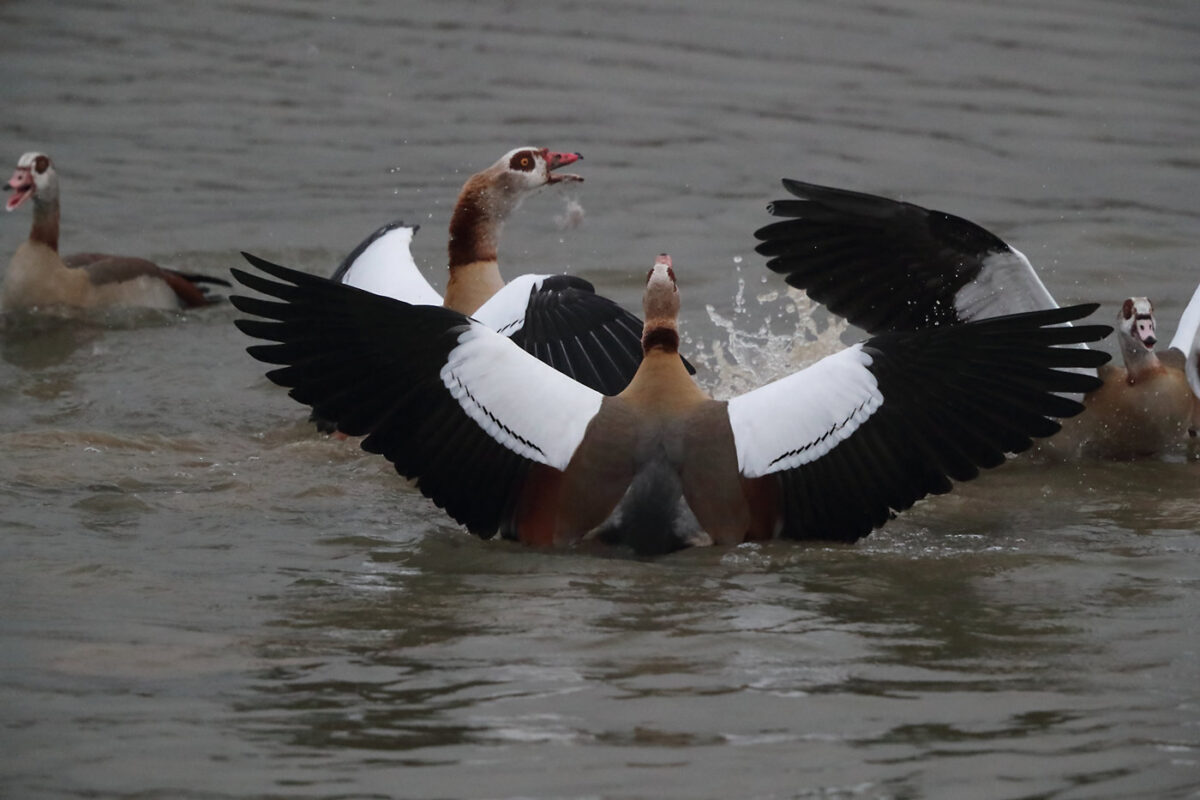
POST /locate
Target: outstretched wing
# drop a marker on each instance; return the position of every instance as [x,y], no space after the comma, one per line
[872,429]
[446,399]
[889,265]
[383,264]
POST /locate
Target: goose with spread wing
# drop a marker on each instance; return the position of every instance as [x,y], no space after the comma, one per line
[506,444]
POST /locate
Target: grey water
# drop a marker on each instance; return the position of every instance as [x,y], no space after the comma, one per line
[202,598]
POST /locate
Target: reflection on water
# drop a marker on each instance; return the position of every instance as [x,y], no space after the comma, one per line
[36,341]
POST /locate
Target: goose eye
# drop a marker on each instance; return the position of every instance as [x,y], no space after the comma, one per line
[41,164]
[522,162]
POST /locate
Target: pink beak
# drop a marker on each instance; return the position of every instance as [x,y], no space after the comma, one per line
[556,160]
[21,186]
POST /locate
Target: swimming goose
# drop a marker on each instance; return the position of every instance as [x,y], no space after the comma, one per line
[506,444]
[37,276]
[889,265]
[1145,407]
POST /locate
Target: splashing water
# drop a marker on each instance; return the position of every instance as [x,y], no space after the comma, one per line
[572,216]
[764,339]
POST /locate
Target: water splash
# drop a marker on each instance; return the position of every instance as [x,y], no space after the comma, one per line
[572,216]
[766,337]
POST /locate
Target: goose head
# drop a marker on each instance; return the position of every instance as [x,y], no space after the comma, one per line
[1137,336]
[34,177]
[518,174]
[1136,322]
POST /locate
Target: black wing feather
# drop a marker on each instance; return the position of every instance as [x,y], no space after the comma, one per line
[563,322]
[372,365]
[955,399]
[880,263]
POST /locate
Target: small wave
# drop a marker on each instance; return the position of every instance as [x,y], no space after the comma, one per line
[101,440]
[37,321]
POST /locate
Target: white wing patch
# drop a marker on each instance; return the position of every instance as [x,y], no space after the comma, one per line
[1189,325]
[1007,284]
[387,268]
[1187,340]
[800,418]
[525,405]
[504,311]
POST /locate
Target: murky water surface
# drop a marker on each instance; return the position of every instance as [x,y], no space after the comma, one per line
[199,598]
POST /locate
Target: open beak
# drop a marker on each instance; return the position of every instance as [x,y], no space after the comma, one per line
[21,186]
[556,160]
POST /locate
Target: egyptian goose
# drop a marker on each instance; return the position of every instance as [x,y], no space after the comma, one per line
[38,277]
[598,343]
[1145,407]
[504,443]
[890,265]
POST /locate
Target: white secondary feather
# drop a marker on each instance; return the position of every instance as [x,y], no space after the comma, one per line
[386,267]
[800,418]
[1189,324]
[525,405]
[505,310]
[1187,340]
[1007,284]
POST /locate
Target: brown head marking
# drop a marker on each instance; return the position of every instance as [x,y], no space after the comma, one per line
[522,161]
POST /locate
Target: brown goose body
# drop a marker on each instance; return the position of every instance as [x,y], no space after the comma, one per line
[1143,408]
